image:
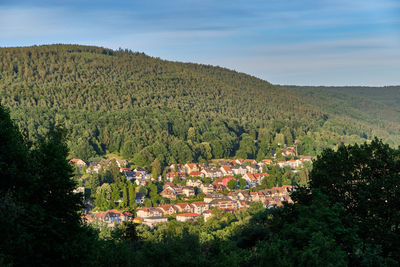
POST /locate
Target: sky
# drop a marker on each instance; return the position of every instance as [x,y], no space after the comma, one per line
[303,42]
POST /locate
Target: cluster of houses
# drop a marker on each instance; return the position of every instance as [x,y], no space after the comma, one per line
[185,211]
[109,217]
[222,171]
[219,173]
[231,202]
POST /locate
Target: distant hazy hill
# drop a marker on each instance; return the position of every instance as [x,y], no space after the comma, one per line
[147,108]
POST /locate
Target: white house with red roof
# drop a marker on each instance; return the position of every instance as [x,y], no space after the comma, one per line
[148,212]
[226,170]
[111,217]
[194,182]
[196,174]
[183,207]
[78,162]
[168,209]
[172,175]
[254,179]
[187,217]
[191,167]
[199,207]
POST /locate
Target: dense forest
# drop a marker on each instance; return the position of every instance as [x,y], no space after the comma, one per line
[145,108]
[347,216]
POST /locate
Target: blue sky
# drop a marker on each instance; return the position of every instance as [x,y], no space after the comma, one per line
[304,42]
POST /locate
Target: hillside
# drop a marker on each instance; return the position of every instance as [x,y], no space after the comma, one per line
[146,108]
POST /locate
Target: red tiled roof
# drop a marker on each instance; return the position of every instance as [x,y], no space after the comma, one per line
[191,165]
[189,214]
[182,205]
[199,203]
[227,168]
[195,173]
[74,160]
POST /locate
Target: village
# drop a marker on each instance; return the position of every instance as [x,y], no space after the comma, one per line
[194,190]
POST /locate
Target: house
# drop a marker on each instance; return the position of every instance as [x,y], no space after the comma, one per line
[252,169]
[140,171]
[88,218]
[267,161]
[176,167]
[294,163]
[222,162]
[270,202]
[210,197]
[139,198]
[239,169]
[94,167]
[250,162]
[282,164]
[212,173]
[306,158]
[232,195]
[78,162]
[207,188]
[148,212]
[199,207]
[255,196]
[194,182]
[218,187]
[183,207]
[188,191]
[141,181]
[169,193]
[129,175]
[240,161]
[226,170]
[288,188]
[178,189]
[281,191]
[196,174]
[243,195]
[187,217]
[172,175]
[254,179]
[153,221]
[218,181]
[111,217]
[224,203]
[122,163]
[191,167]
[167,209]
[124,170]
[167,184]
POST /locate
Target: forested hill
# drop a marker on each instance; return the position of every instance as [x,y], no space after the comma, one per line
[146,108]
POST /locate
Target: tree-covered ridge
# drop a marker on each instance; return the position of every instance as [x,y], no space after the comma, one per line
[143,107]
[375,110]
